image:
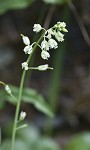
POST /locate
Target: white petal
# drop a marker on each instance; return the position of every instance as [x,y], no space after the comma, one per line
[26,40]
[53,43]
[45,54]
[25,65]
[28,49]
[45,45]
[37,28]
[43,67]
[22,115]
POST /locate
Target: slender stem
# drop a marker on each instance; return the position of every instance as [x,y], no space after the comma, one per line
[22,126]
[50,68]
[79,21]
[2,83]
[17,110]
[49,16]
[33,68]
[20,96]
[36,68]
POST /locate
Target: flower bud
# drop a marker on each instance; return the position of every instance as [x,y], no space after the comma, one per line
[43,67]
[7,89]
[64,30]
[26,40]
[22,115]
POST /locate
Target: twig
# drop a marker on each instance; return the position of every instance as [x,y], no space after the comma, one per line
[80,22]
[49,17]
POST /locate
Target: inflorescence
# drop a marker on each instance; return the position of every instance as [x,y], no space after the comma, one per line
[50,40]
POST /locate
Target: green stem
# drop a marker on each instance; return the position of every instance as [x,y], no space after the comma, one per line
[2,83]
[17,110]
[20,96]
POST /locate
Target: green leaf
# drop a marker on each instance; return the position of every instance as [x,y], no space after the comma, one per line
[29,135]
[29,96]
[19,145]
[46,144]
[32,137]
[79,142]
[14,4]
[55,1]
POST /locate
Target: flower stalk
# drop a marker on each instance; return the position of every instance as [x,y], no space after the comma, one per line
[20,96]
[48,41]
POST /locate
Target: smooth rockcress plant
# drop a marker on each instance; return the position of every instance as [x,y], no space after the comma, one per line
[47,41]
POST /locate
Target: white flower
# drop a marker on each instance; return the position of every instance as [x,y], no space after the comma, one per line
[49,36]
[45,54]
[26,40]
[7,89]
[25,65]
[59,36]
[45,45]
[43,67]
[50,33]
[37,28]
[53,43]
[28,49]
[22,115]
[61,24]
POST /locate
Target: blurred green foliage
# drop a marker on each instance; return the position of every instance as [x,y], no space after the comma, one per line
[29,96]
[79,142]
[13,4]
[19,4]
[30,139]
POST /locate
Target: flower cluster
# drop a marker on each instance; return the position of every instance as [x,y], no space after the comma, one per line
[50,40]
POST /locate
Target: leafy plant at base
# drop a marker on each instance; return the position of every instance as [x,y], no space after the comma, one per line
[30,139]
[19,4]
[29,96]
[14,4]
